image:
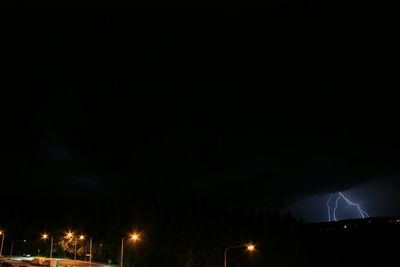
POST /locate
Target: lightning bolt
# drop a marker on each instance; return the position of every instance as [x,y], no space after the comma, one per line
[334,210]
[361,211]
[329,208]
[339,196]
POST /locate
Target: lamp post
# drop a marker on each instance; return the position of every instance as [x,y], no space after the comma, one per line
[134,237]
[45,237]
[82,237]
[249,247]
[12,245]
[70,235]
[90,252]
[2,242]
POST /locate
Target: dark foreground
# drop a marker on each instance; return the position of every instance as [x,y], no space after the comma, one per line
[280,241]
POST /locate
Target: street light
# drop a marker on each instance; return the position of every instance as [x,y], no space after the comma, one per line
[249,247]
[2,242]
[45,237]
[70,235]
[12,245]
[82,237]
[133,237]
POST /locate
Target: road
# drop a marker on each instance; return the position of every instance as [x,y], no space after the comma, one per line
[76,263]
[23,261]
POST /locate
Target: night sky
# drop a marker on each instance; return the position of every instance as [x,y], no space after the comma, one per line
[234,111]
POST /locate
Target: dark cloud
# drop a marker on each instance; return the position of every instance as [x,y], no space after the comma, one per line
[143,110]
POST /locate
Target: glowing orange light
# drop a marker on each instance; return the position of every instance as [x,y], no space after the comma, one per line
[45,236]
[251,247]
[135,237]
[81,237]
[69,234]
